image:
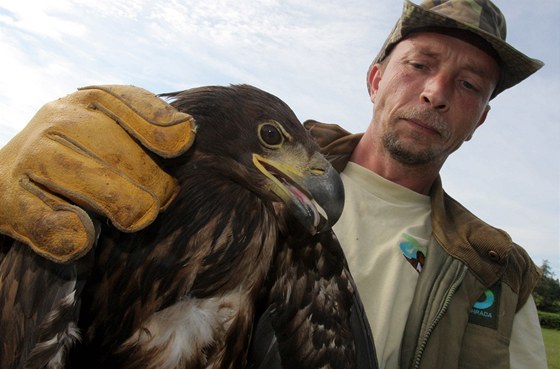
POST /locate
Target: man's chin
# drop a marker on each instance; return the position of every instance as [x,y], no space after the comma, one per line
[408,152]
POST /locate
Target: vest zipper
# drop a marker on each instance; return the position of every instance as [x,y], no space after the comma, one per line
[446,302]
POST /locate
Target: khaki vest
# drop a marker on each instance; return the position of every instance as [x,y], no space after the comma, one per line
[472,284]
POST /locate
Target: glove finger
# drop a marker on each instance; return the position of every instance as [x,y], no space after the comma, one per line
[91,183]
[53,228]
[160,127]
[109,145]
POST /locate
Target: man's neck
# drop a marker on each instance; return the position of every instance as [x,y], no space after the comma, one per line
[375,158]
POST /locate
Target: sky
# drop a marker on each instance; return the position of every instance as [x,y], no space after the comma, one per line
[312,54]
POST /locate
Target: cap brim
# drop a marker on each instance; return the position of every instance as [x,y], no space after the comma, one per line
[515,65]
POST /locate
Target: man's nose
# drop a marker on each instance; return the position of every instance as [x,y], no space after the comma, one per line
[436,92]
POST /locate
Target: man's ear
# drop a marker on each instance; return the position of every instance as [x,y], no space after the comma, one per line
[480,121]
[373,80]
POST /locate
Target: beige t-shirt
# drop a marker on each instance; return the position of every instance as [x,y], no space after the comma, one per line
[375,246]
[385,255]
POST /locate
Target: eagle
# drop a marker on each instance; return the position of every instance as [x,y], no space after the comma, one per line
[242,270]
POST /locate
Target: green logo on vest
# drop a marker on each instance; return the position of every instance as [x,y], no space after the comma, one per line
[485,310]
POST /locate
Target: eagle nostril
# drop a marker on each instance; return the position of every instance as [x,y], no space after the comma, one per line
[317,171]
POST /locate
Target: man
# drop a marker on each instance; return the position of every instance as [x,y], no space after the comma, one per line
[441,288]
[420,260]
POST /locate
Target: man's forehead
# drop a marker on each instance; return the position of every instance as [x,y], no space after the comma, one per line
[436,46]
[462,35]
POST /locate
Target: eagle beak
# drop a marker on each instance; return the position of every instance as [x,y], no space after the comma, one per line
[313,192]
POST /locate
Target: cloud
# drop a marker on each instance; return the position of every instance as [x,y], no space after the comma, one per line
[41,18]
[312,54]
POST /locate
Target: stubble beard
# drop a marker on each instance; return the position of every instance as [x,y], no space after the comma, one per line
[410,155]
[406,155]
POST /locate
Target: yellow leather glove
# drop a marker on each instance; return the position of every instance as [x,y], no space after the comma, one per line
[73,157]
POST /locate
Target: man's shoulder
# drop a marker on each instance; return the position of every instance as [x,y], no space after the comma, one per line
[489,252]
[336,143]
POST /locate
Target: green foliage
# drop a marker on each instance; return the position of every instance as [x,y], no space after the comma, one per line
[552,346]
[547,290]
[549,320]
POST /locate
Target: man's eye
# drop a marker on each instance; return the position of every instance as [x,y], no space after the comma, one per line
[469,86]
[418,66]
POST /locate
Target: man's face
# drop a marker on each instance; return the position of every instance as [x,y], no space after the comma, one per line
[430,95]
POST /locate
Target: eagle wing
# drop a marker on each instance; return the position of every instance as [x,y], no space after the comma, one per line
[313,317]
[39,308]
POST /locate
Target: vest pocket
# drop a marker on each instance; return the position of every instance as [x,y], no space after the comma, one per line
[483,347]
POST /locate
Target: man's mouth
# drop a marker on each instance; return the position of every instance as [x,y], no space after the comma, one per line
[423,126]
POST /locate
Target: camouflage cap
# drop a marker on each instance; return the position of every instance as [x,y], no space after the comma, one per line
[480,17]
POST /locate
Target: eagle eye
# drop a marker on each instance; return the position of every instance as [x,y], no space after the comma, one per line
[271,135]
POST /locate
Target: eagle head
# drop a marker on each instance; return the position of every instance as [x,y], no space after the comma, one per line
[254,138]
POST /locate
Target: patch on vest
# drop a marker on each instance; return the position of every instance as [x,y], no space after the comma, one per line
[485,310]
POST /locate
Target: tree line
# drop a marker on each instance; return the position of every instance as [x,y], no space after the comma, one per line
[547,291]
